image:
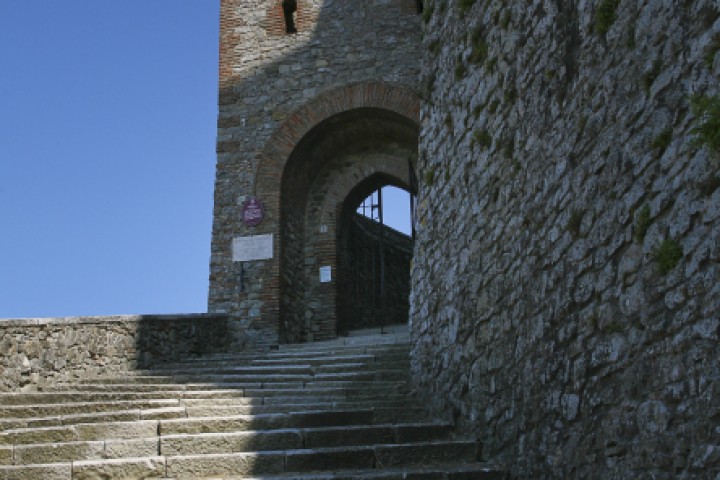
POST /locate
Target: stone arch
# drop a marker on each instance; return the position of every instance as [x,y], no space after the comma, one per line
[386,113]
[395,98]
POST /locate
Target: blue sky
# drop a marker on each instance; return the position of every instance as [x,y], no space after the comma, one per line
[107,153]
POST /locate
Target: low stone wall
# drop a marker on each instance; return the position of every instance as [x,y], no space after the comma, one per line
[41,351]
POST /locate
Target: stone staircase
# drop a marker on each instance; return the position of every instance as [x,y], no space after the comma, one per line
[328,410]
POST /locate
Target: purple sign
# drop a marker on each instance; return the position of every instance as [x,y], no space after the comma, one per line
[252,212]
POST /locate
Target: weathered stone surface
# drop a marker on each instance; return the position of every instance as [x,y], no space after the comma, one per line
[540,317]
[335,437]
[238,464]
[329,459]
[56,471]
[426,453]
[136,447]
[44,351]
[230,442]
[117,430]
[220,424]
[58,452]
[146,467]
[6,455]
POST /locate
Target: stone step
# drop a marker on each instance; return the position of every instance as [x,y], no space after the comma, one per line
[271,421]
[239,465]
[85,450]
[57,415]
[112,459]
[366,375]
[453,471]
[387,412]
[81,432]
[130,386]
[269,395]
[291,358]
[316,359]
[93,417]
[311,438]
[225,442]
[287,370]
[79,408]
[383,412]
[294,369]
[349,389]
[336,409]
[372,341]
[239,379]
[313,351]
[340,346]
[308,460]
[46,398]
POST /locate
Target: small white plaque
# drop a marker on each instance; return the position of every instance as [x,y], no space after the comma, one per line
[254,247]
[325,274]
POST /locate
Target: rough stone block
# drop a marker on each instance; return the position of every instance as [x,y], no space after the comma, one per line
[141,447]
[6,455]
[428,453]
[106,431]
[349,435]
[148,467]
[57,471]
[422,433]
[38,435]
[238,464]
[58,452]
[329,459]
[234,423]
[231,442]
[163,413]
[331,418]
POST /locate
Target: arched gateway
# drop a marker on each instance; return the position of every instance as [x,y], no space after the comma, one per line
[306,131]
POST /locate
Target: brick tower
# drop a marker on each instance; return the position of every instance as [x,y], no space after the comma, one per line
[318,107]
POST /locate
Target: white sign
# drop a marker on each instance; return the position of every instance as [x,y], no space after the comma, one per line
[255,247]
[325,274]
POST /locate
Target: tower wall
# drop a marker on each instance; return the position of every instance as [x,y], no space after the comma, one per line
[274,88]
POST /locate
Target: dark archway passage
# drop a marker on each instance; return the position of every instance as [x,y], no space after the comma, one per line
[332,166]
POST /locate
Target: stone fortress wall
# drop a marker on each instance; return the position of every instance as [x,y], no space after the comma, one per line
[297,117]
[565,289]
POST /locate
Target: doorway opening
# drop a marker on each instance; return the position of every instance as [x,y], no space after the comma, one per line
[332,169]
[375,248]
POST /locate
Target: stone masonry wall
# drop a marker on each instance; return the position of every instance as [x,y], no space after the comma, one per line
[566,299]
[274,88]
[34,352]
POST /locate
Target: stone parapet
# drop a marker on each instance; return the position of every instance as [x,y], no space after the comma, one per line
[39,351]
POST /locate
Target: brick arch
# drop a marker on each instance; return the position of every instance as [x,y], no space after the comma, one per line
[271,162]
